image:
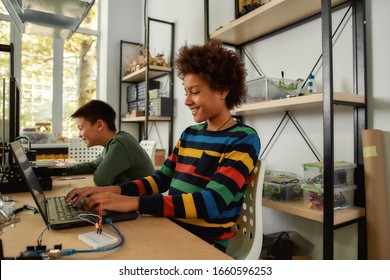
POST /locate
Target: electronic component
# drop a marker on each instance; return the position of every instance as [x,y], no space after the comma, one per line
[40,252]
[97,240]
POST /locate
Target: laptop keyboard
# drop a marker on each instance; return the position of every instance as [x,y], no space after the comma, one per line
[67,211]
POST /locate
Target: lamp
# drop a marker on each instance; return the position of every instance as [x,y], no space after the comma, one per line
[53,18]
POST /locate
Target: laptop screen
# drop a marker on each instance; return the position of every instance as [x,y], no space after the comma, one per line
[29,177]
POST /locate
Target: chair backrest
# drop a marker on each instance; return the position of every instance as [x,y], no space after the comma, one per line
[248,239]
[79,152]
[150,147]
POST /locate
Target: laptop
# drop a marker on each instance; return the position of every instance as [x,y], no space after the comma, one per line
[46,205]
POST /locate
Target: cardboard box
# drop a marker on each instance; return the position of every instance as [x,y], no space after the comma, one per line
[159,157]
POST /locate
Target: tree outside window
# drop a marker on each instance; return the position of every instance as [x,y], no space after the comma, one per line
[83,69]
[56,76]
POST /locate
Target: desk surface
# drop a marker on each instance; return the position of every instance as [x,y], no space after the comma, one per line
[146,238]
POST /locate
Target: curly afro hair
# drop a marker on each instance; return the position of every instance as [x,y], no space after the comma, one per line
[221,68]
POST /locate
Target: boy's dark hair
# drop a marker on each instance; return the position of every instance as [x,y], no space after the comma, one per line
[95,110]
[221,68]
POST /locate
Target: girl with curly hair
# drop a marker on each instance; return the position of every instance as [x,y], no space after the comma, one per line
[207,172]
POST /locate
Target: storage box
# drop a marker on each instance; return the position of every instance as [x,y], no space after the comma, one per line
[314,197]
[156,93]
[265,88]
[141,88]
[141,105]
[132,93]
[343,173]
[282,186]
[137,113]
[161,106]
[131,106]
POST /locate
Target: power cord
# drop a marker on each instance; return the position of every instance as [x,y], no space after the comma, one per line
[42,253]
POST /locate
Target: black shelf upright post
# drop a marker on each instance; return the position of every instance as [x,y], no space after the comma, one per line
[360,113]
[327,65]
[146,125]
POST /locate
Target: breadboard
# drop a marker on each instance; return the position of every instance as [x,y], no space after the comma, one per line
[97,240]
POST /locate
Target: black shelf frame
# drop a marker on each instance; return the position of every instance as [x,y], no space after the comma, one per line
[171,77]
[143,126]
[360,115]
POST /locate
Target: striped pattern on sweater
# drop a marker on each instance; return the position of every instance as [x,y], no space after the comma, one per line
[205,177]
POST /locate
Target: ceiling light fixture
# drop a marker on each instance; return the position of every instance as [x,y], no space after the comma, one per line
[53,18]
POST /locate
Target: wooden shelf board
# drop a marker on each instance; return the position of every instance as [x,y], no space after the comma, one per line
[139,75]
[142,119]
[295,103]
[298,208]
[271,16]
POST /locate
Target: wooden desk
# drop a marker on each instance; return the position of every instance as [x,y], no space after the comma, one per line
[146,238]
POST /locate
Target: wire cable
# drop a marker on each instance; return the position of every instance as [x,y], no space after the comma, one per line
[94,219]
[91,218]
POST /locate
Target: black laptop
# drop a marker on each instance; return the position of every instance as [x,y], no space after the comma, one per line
[52,213]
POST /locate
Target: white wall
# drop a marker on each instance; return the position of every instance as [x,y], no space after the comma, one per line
[189,29]
[120,20]
[294,52]
[126,22]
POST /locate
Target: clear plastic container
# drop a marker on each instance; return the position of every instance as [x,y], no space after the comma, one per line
[343,173]
[265,88]
[314,197]
[282,186]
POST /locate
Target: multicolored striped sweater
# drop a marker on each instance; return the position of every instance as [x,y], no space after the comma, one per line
[205,177]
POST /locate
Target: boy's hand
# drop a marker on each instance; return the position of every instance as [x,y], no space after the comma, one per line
[78,194]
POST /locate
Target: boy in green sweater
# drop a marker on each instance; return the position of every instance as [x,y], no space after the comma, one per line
[122,160]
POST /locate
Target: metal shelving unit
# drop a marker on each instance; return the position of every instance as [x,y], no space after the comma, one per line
[277,15]
[147,73]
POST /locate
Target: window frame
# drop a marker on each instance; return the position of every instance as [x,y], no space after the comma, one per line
[58,57]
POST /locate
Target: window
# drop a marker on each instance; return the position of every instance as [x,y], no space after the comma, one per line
[83,69]
[4,73]
[56,78]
